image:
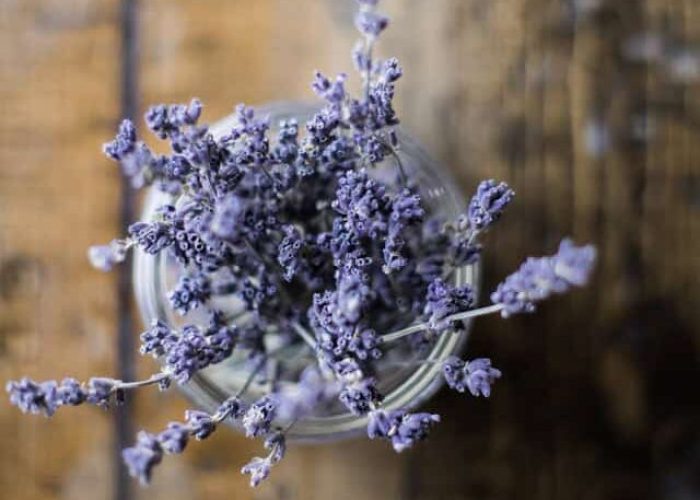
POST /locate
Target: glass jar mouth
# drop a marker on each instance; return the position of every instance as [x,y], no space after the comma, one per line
[420,382]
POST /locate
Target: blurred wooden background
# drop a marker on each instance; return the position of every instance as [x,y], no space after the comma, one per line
[589,108]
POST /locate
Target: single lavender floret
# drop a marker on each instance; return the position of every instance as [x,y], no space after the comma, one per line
[364,204]
[71,392]
[157,339]
[259,470]
[413,427]
[174,438]
[277,444]
[453,372]
[152,237]
[333,92]
[189,354]
[200,423]
[401,428]
[539,278]
[124,143]
[191,292]
[370,23]
[360,397]
[33,397]
[143,457]
[100,390]
[105,257]
[232,407]
[258,418]
[488,204]
[444,300]
[479,375]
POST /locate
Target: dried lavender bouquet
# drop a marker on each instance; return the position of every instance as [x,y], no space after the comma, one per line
[323,255]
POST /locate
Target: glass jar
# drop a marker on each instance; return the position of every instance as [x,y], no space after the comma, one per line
[404,385]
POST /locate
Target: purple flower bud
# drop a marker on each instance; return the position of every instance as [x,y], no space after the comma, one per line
[99,390]
[189,354]
[333,92]
[370,23]
[360,397]
[574,264]
[33,397]
[259,470]
[401,428]
[412,428]
[158,339]
[152,237]
[277,445]
[191,292]
[479,376]
[105,257]
[444,300]
[143,457]
[258,418]
[200,424]
[488,204]
[233,407]
[71,392]
[174,438]
[124,143]
[453,371]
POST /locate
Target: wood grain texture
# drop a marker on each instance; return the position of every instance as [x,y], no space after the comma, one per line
[598,399]
[58,93]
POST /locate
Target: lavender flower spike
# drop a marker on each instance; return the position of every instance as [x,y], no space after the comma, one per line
[539,278]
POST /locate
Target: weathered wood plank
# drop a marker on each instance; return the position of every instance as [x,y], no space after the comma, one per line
[59,98]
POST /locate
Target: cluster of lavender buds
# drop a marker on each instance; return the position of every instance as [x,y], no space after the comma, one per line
[291,221]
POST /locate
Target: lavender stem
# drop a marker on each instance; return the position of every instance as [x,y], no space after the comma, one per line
[154,379]
[390,337]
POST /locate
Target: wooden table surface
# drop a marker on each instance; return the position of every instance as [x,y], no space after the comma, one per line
[589,108]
